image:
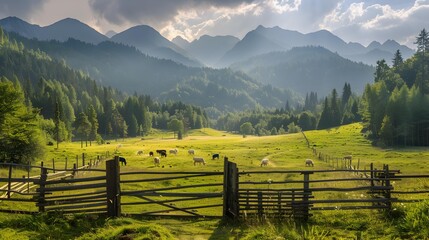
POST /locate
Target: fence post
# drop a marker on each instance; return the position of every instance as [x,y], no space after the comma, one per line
[260,209]
[306,196]
[113,188]
[9,182]
[53,164]
[230,190]
[42,184]
[387,193]
[74,170]
[65,166]
[83,159]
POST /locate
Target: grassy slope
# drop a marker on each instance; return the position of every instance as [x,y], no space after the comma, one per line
[284,152]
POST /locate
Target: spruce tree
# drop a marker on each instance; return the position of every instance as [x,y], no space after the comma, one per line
[422,42]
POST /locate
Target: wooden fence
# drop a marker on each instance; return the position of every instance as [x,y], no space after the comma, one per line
[231,194]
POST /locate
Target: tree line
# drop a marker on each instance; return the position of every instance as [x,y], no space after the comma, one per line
[395,108]
[45,101]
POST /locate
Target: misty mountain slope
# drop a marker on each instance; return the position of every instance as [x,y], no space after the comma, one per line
[127,69]
[210,49]
[306,69]
[61,30]
[264,40]
[151,42]
[253,44]
[179,41]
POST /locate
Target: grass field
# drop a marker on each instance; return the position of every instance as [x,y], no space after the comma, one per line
[286,152]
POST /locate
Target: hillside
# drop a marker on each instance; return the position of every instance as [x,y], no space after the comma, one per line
[127,69]
[305,69]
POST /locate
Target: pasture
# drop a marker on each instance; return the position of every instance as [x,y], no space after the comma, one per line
[285,152]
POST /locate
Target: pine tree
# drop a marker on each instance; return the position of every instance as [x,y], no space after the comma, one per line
[335,110]
[347,93]
[422,42]
[83,127]
[92,118]
[397,60]
[325,120]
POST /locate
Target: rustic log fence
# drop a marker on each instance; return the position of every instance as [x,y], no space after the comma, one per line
[231,194]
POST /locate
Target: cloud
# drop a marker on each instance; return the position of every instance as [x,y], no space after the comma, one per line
[21,8]
[154,12]
[368,22]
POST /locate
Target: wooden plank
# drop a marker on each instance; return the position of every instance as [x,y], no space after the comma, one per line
[17,200]
[75,187]
[162,179]
[171,172]
[168,201]
[170,194]
[76,195]
[77,180]
[169,206]
[182,187]
[186,208]
[314,171]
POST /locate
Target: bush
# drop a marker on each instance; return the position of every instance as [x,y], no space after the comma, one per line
[416,221]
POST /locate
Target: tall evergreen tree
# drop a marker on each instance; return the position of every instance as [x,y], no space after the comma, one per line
[397,60]
[83,127]
[422,42]
[325,117]
[92,118]
[335,109]
[20,136]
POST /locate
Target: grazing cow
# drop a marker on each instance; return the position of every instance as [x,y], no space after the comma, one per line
[199,160]
[160,151]
[215,156]
[264,162]
[140,152]
[347,157]
[156,161]
[191,151]
[151,153]
[174,151]
[123,161]
[309,162]
[163,154]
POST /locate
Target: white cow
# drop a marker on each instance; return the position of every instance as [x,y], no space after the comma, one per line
[264,162]
[309,162]
[199,160]
[156,161]
[191,151]
[174,151]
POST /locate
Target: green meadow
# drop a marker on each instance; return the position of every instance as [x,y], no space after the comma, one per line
[286,152]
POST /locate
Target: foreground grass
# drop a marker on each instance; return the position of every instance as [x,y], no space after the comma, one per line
[286,152]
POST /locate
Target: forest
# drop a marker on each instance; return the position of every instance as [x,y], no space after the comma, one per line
[44,101]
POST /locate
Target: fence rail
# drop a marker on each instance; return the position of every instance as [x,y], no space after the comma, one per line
[231,194]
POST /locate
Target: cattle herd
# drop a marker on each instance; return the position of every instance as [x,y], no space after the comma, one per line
[200,160]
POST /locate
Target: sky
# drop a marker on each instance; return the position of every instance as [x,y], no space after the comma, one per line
[351,20]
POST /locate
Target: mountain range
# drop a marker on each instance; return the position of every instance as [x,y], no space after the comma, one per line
[212,51]
[268,67]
